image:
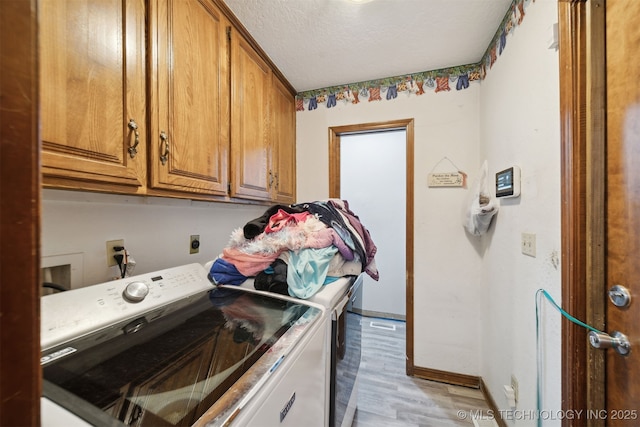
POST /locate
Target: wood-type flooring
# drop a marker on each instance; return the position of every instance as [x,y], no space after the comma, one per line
[387,397]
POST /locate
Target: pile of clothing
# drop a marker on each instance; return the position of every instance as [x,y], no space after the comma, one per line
[296,249]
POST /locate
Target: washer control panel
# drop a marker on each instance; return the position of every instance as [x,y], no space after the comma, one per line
[71,314]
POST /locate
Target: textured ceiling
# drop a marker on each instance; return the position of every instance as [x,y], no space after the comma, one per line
[322,43]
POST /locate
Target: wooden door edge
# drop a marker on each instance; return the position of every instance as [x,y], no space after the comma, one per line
[582,98]
[20,384]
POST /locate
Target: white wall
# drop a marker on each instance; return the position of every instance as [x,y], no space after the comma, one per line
[155,230]
[520,124]
[371,164]
[447,262]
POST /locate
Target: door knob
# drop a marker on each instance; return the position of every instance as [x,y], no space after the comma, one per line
[617,340]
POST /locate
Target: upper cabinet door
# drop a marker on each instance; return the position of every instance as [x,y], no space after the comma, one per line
[250,82]
[189,97]
[283,143]
[92,94]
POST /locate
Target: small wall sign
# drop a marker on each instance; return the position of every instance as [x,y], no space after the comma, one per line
[446,179]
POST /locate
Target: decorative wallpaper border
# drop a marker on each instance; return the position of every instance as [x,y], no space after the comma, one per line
[441,80]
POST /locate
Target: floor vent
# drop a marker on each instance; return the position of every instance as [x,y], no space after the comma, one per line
[384,326]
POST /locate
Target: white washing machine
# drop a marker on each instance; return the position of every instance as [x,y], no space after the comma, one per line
[168,348]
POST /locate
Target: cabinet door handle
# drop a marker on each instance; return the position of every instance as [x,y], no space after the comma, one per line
[133,128]
[270,179]
[277,181]
[164,156]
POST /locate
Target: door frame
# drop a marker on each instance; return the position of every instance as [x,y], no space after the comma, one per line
[334,192]
[581,25]
[20,375]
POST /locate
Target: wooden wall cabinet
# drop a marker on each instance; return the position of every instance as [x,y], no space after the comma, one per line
[283,143]
[92,85]
[207,115]
[250,82]
[189,97]
[263,128]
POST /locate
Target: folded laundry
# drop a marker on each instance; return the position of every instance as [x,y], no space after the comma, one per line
[225,272]
[257,226]
[282,218]
[273,279]
[316,242]
[307,270]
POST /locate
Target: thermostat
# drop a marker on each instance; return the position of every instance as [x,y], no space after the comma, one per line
[508,182]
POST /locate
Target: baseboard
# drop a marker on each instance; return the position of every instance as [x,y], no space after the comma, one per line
[464,380]
[447,377]
[379,314]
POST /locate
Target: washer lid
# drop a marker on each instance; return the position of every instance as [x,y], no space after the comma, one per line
[328,296]
[169,366]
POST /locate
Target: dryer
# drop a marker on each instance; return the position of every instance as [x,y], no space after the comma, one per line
[343,344]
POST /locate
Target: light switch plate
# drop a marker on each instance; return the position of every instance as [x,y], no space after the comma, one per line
[529,244]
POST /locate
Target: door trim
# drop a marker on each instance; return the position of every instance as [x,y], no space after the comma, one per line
[334,192]
[20,378]
[583,173]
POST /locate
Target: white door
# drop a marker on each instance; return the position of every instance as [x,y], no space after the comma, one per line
[373,181]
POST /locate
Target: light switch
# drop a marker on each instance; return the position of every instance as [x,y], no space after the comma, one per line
[529,244]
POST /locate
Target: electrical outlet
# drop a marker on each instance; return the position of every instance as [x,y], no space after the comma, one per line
[514,386]
[111,261]
[194,244]
[529,244]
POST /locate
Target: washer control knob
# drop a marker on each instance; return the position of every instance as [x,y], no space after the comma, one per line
[135,291]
